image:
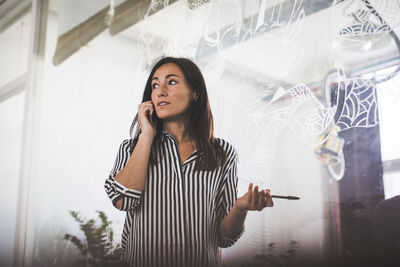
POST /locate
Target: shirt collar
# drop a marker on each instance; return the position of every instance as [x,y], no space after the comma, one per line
[165,135]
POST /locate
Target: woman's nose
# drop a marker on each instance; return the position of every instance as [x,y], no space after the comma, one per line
[162,91]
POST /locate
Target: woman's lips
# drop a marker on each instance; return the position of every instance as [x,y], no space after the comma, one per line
[163,104]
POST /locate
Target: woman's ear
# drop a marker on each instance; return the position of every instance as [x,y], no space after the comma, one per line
[196,96]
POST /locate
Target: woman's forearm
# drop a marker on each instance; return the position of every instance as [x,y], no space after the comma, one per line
[233,224]
[133,175]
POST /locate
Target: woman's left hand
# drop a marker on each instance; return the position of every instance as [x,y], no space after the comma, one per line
[254,200]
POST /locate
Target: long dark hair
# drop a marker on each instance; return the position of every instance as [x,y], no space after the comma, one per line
[201,124]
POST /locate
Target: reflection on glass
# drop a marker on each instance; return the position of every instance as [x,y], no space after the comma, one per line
[286,79]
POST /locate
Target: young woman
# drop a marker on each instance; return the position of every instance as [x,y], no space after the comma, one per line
[175,180]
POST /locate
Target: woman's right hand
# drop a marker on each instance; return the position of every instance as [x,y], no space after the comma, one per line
[145,110]
[254,200]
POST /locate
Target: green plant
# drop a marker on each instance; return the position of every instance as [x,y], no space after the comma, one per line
[98,248]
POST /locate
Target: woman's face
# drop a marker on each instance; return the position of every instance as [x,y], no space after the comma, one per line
[171,95]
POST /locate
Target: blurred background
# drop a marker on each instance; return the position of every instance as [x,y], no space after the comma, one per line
[306,91]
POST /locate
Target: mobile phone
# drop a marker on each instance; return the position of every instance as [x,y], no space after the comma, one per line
[153,117]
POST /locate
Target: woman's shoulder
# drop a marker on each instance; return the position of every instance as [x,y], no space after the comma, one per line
[227,147]
[125,144]
[225,144]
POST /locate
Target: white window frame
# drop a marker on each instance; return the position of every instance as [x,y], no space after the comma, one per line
[13,87]
[30,82]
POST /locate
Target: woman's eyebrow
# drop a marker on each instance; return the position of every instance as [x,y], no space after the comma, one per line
[167,76]
[171,75]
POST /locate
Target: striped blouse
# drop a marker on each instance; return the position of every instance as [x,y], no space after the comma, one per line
[177,219]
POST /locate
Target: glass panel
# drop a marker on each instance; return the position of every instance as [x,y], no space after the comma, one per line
[11,122]
[389,102]
[392,184]
[294,86]
[14,50]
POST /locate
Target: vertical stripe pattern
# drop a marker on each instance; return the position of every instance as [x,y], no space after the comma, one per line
[177,219]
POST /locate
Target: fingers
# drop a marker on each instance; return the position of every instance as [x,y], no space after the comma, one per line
[268,200]
[147,125]
[145,107]
[250,193]
[261,200]
[145,110]
[258,200]
[255,199]
[250,187]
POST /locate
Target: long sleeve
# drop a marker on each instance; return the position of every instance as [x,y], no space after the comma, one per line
[115,190]
[227,198]
[179,219]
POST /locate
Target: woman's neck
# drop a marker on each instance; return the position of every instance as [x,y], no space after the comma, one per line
[177,130]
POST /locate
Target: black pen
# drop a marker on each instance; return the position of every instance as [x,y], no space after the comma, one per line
[286,197]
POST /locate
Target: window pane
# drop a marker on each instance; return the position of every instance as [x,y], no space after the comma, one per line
[11,123]
[392,184]
[14,50]
[389,103]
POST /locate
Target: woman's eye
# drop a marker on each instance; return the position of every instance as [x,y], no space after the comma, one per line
[171,82]
[154,86]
